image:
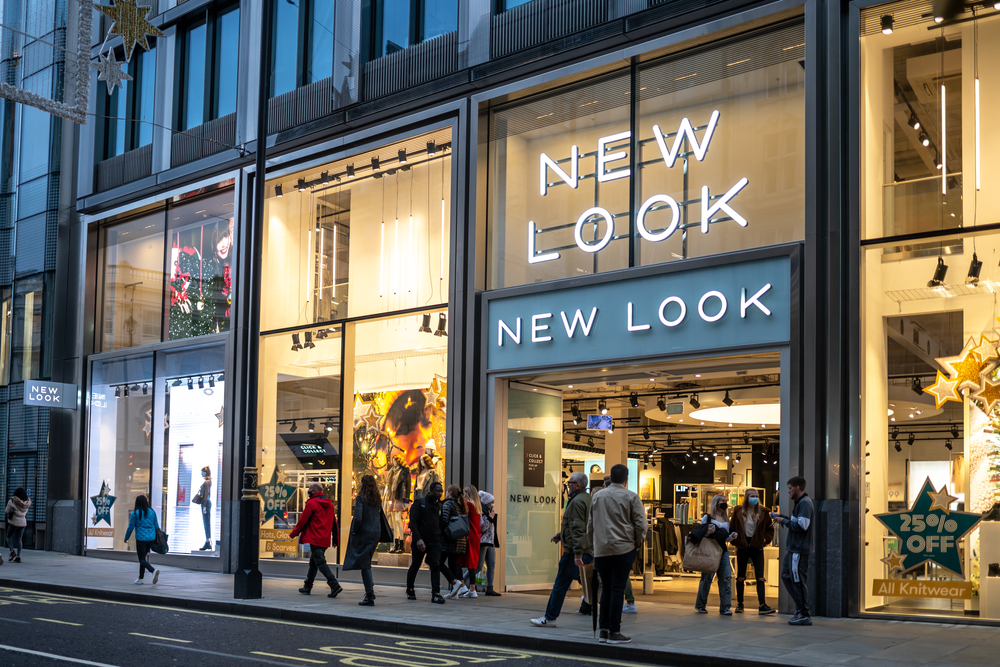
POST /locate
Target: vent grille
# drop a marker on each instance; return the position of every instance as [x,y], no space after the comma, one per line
[540,21]
[125,168]
[210,138]
[419,64]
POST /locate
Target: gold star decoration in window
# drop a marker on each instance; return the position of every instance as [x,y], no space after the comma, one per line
[989,394]
[130,22]
[943,390]
[966,367]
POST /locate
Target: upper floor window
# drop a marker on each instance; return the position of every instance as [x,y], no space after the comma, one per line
[128,111]
[303,44]
[504,5]
[207,61]
[399,24]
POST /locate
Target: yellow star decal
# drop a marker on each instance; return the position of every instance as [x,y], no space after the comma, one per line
[987,348]
[964,367]
[989,394]
[894,561]
[941,500]
[282,476]
[943,391]
[130,23]
[372,417]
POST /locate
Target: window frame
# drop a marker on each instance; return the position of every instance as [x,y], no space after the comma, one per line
[210,19]
[133,104]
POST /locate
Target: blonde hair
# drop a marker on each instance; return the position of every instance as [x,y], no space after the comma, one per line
[713,508]
[472,497]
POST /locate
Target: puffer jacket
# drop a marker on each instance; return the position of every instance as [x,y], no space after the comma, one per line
[17,510]
[144,526]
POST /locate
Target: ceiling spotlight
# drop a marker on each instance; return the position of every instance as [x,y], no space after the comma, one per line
[602,405]
[294,427]
[575,409]
[201,383]
[645,433]
[325,178]
[917,387]
[898,449]
[301,185]
[402,156]
[322,334]
[576,437]
[947,445]
[695,403]
[974,268]
[277,190]
[118,392]
[350,171]
[633,399]
[145,388]
[211,381]
[644,466]
[924,139]
[746,438]
[715,453]
[910,438]
[176,383]
[125,391]
[375,164]
[611,428]
[914,121]
[954,430]
[296,345]
[590,442]
[937,161]
[727,456]
[425,323]
[895,432]
[887,25]
[220,378]
[431,148]
[728,401]
[190,384]
[939,273]
[312,426]
[442,324]
[661,403]
[309,341]
[737,459]
[670,441]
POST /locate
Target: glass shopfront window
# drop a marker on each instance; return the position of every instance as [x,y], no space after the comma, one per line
[719,157]
[930,384]
[350,387]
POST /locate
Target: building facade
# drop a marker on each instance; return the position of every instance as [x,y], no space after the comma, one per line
[504,241]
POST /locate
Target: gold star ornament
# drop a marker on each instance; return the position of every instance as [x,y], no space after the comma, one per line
[987,348]
[965,367]
[989,394]
[943,391]
[894,561]
[941,500]
[130,23]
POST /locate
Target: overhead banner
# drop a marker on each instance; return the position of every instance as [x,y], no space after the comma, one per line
[741,304]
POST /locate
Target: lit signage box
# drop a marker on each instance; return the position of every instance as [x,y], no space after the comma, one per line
[50,394]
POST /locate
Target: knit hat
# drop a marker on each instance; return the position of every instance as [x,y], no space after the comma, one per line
[485,497]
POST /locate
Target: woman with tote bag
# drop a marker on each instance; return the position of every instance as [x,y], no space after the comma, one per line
[366,531]
[715,526]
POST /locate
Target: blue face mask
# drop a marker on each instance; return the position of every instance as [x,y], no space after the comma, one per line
[753,502]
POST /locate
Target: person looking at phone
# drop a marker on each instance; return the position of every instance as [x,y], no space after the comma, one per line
[715,526]
[801,543]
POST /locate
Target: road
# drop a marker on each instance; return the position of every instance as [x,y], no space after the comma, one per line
[42,629]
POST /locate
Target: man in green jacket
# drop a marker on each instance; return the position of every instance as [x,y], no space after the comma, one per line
[576,547]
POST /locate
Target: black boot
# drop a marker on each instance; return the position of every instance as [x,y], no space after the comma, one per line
[368,601]
[305,590]
[207,547]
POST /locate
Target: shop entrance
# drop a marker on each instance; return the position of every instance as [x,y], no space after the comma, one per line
[687,430]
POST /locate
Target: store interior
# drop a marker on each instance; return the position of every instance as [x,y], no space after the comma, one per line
[687,430]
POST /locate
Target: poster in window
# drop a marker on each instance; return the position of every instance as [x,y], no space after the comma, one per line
[201,284]
[534,462]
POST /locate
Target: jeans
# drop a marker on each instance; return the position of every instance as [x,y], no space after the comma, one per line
[142,550]
[567,573]
[725,574]
[450,568]
[433,556]
[317,562]
[743,558]
[614,572]
[794,572]
[206,518]
[488,557]
[14,536]
[366,579]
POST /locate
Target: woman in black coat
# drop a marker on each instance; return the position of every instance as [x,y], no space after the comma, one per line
[452,548]
[366,529]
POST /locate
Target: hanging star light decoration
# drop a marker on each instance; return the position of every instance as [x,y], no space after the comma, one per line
[989,394]
[372,417]
[987,348]
[943,391]
[147,427]
[111,71]
[130,22]
[220,414]
[966,367]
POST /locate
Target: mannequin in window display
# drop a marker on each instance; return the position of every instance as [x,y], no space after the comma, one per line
[216,278]
[428,472]
[204,498]
[396,497]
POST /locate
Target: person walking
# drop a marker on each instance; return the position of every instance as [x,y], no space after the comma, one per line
[488,541]
[318,528]
[425,535]
[629,607]
[715,526]
[143,520]
[470,561]
[452,547]
[16,514]
[616,527]
[366,529]
[800,544]
[576,545]
[754,530]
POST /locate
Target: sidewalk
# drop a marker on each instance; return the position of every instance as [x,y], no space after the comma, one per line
[662,633]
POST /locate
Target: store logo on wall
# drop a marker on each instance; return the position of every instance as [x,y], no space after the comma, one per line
[711,205]
[50,394]
[700,309]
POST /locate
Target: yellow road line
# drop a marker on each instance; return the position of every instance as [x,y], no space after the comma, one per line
[169,639]
[288,657]
[52,620]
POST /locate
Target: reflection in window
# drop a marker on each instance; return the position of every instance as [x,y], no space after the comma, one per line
[337,246]
[285,52]
[132,282]
[193,105]
[6,324]
[224,61]
[34,154]
[28,329]
[129,110]
[319,28]
[392,26]
[303,44]
[511,4]
[437,18]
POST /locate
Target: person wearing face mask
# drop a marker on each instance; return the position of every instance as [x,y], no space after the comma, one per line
[318,526]
[754,530]
[715,526]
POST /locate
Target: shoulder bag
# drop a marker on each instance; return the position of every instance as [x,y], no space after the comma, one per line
[702,557]
[458,526]
[160,545]
[387,534]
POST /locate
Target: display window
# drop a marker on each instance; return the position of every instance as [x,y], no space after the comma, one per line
[930,381]
[717,163]
[157,429]
[167,274]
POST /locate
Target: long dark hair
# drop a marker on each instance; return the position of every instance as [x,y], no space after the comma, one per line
[20,493]
[369,491]
[455,493]
[141,505]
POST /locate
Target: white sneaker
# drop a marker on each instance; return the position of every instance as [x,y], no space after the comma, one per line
[627,609]
[139,581]
[461,591]
[454,590]
[543,622]
[471,594]
[156,577]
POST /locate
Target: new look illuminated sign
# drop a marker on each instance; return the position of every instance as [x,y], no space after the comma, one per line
[611,162]
[710,308]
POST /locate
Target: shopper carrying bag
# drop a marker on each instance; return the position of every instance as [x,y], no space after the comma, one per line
[714,527]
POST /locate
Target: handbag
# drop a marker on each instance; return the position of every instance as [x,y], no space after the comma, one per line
[386,534]
[160,545]
[458,526]
[197,499]
[702,557]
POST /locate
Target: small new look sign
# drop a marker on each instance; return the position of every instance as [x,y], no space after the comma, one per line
[714,307]
[50,394]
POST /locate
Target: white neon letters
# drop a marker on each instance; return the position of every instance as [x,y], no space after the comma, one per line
[585,327]
[686,129]
[663,307]
[603,157]
[754,300]
[675,213]
[536,258]
[608,235]
[631,326]
[722,205]
[514,336]
[570,178]
[537,328]
[722,311]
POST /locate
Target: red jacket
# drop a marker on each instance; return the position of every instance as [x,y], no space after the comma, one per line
[471,557]
[317,523]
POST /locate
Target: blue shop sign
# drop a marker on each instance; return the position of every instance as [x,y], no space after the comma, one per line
[50,394]
[724,306]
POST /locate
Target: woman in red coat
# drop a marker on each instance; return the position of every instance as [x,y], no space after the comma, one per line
[470,561]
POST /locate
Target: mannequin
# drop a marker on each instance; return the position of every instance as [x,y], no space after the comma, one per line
[396,498]
[204,498]
[428,472]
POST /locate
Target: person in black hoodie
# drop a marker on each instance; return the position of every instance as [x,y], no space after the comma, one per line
[425,531]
